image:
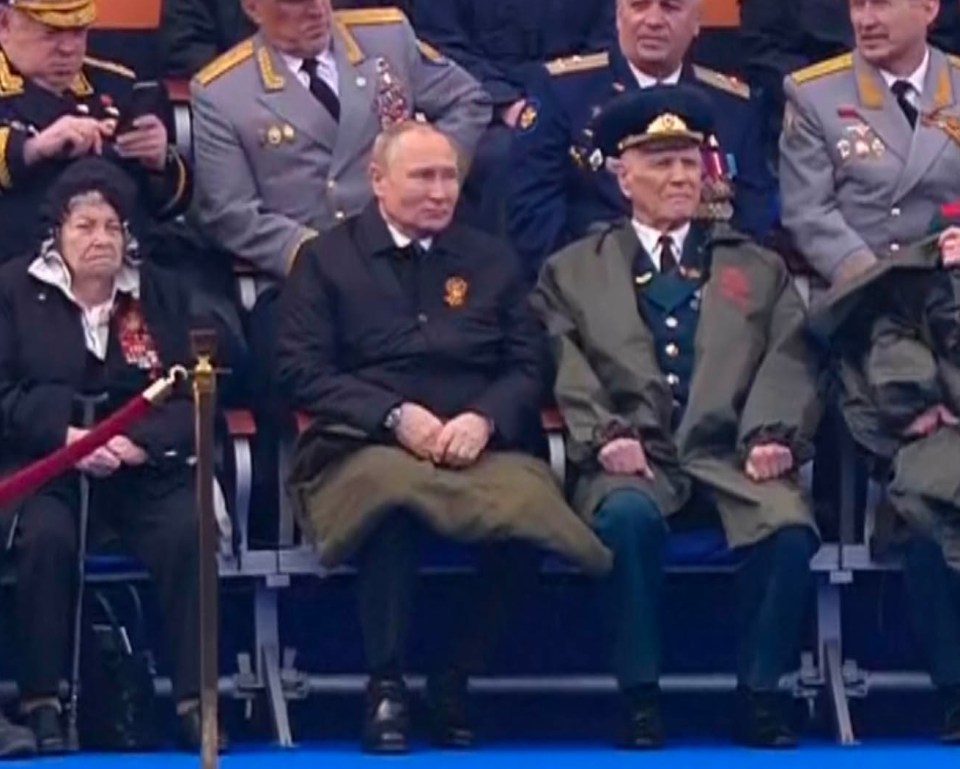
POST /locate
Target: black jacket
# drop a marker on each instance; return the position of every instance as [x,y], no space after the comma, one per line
[354,341]
[43,365]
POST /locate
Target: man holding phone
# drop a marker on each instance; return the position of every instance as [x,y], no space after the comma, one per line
[57,104]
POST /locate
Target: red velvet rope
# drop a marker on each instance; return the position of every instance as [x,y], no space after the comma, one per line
[28,479]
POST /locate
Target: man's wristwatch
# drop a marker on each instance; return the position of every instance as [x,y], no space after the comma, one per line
[393,419]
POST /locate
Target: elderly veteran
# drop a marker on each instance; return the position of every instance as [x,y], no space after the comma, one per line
[83,316]
[410,342]
[894,331]
[685,381]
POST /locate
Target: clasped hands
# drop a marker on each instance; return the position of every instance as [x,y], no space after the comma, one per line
[625,456]
[109,458]
[457,443]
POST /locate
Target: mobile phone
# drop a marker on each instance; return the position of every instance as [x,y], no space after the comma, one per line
[145,100]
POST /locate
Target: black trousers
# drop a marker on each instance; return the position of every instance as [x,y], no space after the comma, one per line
[773,584]
[386,584]
[155,518]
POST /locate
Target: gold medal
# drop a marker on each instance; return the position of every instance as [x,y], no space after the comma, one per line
[274,135]
[288,133]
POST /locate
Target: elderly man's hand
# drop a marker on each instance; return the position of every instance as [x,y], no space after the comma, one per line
[418,430]
[127,451]
[929,421]
[462,440]
[68,137]
[768,461]
[950,247]
[146,143]
[625,456]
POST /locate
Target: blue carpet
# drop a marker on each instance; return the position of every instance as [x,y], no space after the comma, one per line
[876,755]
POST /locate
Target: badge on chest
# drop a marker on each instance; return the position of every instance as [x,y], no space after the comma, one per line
[858,141]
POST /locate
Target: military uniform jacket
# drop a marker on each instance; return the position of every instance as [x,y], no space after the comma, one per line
[856,182]
[754,379]
[501,42]
[102,90]
[273,165]
[557,197]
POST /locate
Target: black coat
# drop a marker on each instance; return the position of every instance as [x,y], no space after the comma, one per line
[43,365]
[354,342]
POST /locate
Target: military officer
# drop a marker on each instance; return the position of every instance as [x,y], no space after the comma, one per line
[559,190]
[57,104]
[284,122]
[780,38]
[654,429]
[871,141]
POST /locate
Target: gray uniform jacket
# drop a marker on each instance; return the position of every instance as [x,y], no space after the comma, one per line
[856,182]
[274,167]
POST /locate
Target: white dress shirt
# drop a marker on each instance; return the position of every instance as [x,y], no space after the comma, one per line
[645,81]
[916,80]
[650,240]
[326,69]
[403,241]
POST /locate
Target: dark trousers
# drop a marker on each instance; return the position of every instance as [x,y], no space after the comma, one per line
[933,596]
[773,585]
[386,583]
[155,518]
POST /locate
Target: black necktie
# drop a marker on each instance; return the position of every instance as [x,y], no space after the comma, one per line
[902,90]
[323,93]
[668,255]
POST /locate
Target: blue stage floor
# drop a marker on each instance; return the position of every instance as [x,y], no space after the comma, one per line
[876,755]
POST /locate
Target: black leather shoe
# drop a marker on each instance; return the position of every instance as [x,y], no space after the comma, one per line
[387,719]
[16,741]
[951,716]
[643,728]
[46,724]
[190,732]
[763,722]
[447,704]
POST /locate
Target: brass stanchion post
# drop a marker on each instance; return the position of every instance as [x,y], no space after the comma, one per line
[204,398]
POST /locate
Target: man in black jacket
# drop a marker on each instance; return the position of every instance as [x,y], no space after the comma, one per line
[410,343]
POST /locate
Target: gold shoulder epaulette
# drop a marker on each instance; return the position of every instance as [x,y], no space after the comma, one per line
[110,66]
[721,82]
[568,64]
[225,62]
[369,16]
[823,68]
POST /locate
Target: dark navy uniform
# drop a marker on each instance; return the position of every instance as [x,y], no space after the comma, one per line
[557,196]
[102,90]
[501,41]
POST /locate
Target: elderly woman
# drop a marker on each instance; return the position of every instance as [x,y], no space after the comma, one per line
[83,316]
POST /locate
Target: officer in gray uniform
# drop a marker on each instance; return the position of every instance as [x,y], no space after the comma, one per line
[284,121]
[871,141]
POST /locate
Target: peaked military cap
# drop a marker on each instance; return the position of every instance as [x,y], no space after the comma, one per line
[63,14]
[652,115]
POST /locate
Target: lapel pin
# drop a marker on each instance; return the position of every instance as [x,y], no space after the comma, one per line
[288,133]
[361,82]
[274,136]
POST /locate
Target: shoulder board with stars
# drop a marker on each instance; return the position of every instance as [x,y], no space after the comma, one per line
[571,64]
[225,62]
[823,68]
[110,66]
[10,84]
[721,82]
